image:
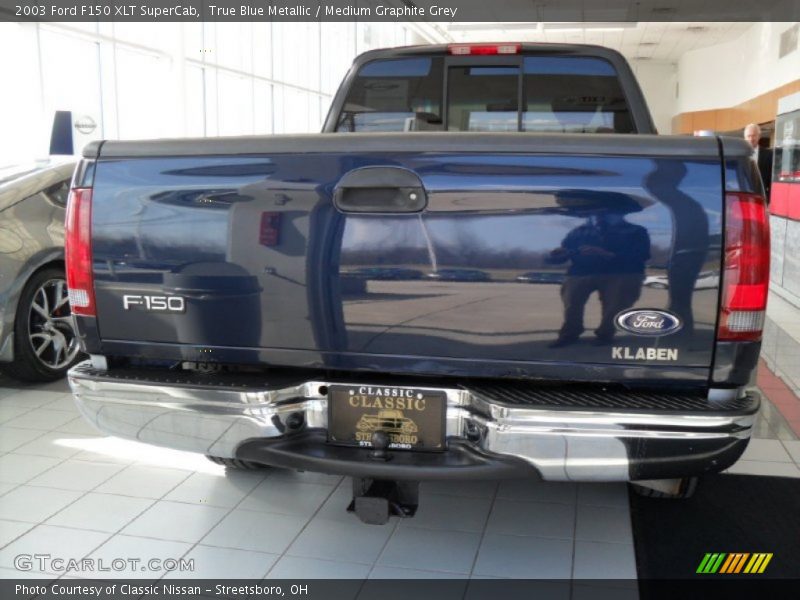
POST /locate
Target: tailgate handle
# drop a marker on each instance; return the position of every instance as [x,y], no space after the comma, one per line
[380,190]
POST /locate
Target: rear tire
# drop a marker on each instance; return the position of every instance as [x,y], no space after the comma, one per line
[45,341]
[686,489]
[236,463]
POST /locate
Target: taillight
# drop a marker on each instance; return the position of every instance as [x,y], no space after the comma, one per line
[745,279]
[78,252]
[483,49]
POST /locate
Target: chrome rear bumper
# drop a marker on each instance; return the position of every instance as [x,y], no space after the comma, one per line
[561,444]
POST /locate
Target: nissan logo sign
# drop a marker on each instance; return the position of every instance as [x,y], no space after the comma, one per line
[648,322]
[85,124]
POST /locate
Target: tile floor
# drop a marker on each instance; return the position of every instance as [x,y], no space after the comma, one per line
[69,490]
[74,492]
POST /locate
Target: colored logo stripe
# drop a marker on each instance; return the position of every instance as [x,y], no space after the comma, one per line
[711,563]
[722,562]
[741,562]
[703,564]
[758,563]
[732,558]
[730,563]
[736,562]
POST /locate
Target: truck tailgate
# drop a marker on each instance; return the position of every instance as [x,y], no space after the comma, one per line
[518,255]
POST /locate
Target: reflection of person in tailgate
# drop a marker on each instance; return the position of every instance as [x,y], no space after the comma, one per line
[390,421]
[608,255]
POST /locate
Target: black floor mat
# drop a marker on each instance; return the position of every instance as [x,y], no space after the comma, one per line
[728,513]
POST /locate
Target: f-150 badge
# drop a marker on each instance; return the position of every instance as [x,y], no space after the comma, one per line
[154,303]
[648,322]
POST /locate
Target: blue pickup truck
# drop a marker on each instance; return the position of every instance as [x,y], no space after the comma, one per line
[360,301]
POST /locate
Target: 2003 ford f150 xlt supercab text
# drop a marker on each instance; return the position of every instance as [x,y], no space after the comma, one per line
[410,295]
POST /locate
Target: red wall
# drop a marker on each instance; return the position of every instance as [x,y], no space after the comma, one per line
[784,200]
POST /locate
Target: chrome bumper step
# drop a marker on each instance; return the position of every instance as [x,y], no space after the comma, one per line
[564,433]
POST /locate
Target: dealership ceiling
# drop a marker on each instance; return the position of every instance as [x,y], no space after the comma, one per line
[650,41]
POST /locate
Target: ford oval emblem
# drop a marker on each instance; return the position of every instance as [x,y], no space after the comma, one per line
[648,322]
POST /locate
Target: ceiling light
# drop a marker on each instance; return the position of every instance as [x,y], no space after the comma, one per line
[492,26]
[587,30]
[589,26]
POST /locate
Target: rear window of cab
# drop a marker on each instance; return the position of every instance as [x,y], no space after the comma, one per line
[553,94]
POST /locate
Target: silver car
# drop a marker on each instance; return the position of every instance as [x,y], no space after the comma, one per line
[37,336]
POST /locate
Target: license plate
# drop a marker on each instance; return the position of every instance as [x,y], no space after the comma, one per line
[414,419]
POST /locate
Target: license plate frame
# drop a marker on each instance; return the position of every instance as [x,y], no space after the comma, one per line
[414,418]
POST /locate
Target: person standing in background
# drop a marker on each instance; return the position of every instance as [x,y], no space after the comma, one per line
[761,156]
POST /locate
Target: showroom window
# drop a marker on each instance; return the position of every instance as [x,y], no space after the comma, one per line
[235,103]
[64,86]
[203,79]
[194,113]
[142,111]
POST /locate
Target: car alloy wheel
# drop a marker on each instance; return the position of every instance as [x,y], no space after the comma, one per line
[51,330]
